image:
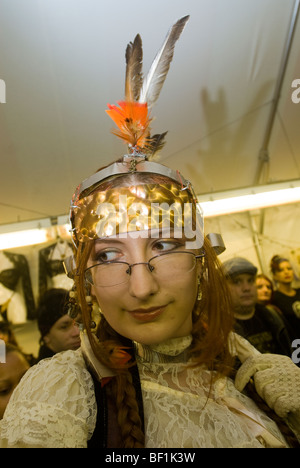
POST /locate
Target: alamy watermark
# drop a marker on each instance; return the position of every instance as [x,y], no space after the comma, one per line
[296,353]
[2,92]
[139,220]
[296,94]
[2,352]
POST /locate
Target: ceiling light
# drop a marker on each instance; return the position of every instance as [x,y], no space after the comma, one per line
[11,240]
[33,232]
[251,198]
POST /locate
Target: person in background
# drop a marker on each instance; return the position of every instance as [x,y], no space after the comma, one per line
[265,292]
[11,372]
[58,331]
[264,329]
[7,334]
[265,289]
[286,297]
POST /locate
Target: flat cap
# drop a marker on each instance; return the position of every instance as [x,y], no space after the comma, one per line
[238,266]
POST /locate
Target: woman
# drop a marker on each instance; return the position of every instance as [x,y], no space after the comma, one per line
[8,337]
[153,372]
[286,297]
[265,289]
[160,351]
[7,334]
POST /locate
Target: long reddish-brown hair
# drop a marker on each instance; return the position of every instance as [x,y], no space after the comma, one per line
[212,323]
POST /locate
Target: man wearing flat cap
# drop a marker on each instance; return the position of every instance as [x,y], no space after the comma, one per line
[263,328]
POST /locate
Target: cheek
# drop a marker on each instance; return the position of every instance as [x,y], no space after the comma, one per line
[235,294]
[110,306]
[185,292]
[277,276]
[186,283]
[105,299]
[54,337]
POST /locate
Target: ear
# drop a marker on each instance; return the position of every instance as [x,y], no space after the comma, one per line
[47,339]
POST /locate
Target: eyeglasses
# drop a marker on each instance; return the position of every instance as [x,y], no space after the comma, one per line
[169,265]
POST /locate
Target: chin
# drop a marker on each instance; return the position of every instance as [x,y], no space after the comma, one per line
[155,336]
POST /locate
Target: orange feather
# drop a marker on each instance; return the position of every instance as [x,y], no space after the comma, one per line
[133,121]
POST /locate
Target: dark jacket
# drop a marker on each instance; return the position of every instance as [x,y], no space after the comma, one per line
[266,331]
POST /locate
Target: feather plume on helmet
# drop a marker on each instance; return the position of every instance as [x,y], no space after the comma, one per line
[132,116]
[99,211]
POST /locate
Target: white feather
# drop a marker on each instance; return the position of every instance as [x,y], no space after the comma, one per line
[154,81]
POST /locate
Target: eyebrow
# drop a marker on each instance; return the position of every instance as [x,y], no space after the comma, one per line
[65,321]
[162,236]
[106,241]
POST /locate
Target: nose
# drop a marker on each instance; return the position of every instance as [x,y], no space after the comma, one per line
[142,283]
[246,286]
[75,331]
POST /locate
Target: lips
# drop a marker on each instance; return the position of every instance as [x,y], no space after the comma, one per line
[76,344]
[147,315]
[248,297]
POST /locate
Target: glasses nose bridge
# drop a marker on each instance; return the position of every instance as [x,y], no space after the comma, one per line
[130,266]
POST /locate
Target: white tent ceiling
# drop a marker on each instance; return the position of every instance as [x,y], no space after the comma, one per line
[62,61]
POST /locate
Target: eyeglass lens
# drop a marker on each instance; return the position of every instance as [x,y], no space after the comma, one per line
[162,266]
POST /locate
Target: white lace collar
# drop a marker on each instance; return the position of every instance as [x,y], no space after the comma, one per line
[173,350]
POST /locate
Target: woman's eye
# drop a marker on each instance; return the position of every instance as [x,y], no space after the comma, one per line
[106,256]
[168,245]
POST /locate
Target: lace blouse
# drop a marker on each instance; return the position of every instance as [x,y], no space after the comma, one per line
[54,405]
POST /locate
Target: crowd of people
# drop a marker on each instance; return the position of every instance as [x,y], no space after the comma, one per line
[258,317]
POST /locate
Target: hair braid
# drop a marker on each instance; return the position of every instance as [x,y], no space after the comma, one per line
[124,396]
[127,411]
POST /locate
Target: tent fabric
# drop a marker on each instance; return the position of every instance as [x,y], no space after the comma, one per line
[62,61]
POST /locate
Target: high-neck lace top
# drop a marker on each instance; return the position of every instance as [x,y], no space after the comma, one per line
[183,409]
[54,405]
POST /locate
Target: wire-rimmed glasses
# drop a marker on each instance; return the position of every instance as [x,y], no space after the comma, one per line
[168,265]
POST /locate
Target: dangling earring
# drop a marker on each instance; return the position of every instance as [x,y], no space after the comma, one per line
[72,306]
[89,301]
[93,309]
[199,296]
